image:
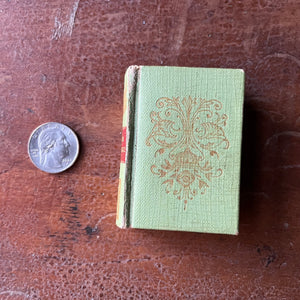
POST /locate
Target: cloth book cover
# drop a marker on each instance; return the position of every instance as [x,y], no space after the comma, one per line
[181,149]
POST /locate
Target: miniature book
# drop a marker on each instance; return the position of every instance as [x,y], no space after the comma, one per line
[181,149]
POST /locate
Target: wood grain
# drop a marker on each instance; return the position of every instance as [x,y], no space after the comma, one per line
[64,61]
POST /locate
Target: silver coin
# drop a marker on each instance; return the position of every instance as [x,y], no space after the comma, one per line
[53,147]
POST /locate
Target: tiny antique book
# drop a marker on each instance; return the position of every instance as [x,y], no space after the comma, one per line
[181,149]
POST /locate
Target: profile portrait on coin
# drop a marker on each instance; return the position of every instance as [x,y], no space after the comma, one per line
[53,148]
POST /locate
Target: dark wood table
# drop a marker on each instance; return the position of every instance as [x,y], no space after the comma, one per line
[64,61]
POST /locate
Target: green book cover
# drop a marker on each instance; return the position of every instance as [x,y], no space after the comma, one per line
[181,149]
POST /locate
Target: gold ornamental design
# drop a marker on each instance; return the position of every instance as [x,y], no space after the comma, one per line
[190,137]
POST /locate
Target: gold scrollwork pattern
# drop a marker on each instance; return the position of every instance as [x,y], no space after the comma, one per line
[190,136]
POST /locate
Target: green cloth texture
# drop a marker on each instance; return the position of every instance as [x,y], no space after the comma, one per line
[186,149]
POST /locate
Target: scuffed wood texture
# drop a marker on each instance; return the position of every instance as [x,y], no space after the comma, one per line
[64,61]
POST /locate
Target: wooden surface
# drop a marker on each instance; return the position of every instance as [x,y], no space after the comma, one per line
[64,61]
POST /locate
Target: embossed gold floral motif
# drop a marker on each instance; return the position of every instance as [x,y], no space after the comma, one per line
[190,136]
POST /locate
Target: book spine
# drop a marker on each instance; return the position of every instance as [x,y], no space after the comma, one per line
[124,191]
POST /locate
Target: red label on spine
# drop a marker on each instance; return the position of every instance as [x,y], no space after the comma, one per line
[123,148]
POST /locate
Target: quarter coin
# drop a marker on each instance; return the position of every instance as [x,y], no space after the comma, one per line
[53,147]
